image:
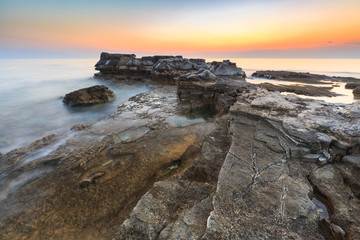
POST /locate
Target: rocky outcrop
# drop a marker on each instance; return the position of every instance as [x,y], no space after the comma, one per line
[88,96]
[302,77]
[269,179]
[162,66]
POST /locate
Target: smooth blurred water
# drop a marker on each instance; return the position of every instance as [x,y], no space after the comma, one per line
[30,92]
[30,98]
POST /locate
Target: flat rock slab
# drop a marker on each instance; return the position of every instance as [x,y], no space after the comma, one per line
[302,77]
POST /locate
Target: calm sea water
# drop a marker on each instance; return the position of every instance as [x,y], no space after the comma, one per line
[30,92]
[30,98]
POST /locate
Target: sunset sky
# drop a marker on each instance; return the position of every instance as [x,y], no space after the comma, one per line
[209,28]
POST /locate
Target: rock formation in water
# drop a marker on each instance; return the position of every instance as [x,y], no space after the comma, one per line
[88,96]
[302,77]
[162,66]
[306,90]
[204,156]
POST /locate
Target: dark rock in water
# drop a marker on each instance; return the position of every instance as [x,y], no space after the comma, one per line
[87,96]
[351,85]
[302,77]
[306,90]
[356,91]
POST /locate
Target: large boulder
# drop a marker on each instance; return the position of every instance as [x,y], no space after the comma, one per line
[87,96]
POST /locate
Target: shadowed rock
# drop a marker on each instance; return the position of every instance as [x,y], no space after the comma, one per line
[351,85]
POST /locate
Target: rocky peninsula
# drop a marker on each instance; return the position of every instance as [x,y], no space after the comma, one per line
[203,155]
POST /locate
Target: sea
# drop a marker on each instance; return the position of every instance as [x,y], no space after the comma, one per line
[31,92]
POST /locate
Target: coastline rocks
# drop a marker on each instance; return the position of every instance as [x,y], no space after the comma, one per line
[88,96]
[302,77]
[300,89]
[167,67]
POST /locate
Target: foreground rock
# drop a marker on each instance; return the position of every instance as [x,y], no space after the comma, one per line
[264,190]
[302,77]
[88,96]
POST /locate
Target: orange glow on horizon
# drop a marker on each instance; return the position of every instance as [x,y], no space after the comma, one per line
[313,27]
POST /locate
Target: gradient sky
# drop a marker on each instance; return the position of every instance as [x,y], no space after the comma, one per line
[209,28]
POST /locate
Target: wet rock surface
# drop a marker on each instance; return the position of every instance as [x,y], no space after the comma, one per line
[88,96]
[203,156]
[302,77]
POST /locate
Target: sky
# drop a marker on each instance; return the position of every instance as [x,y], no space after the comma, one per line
[202,28]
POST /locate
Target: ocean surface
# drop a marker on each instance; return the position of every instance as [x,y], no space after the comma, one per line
[31,94]
[31,90]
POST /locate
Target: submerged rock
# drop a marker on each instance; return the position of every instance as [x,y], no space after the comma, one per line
[88,96]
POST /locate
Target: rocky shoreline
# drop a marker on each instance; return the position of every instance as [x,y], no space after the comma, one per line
[203,155]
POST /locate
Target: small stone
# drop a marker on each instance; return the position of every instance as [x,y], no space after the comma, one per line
[322,161]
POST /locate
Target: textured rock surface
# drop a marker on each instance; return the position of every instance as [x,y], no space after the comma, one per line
[87,96]
[166,67]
